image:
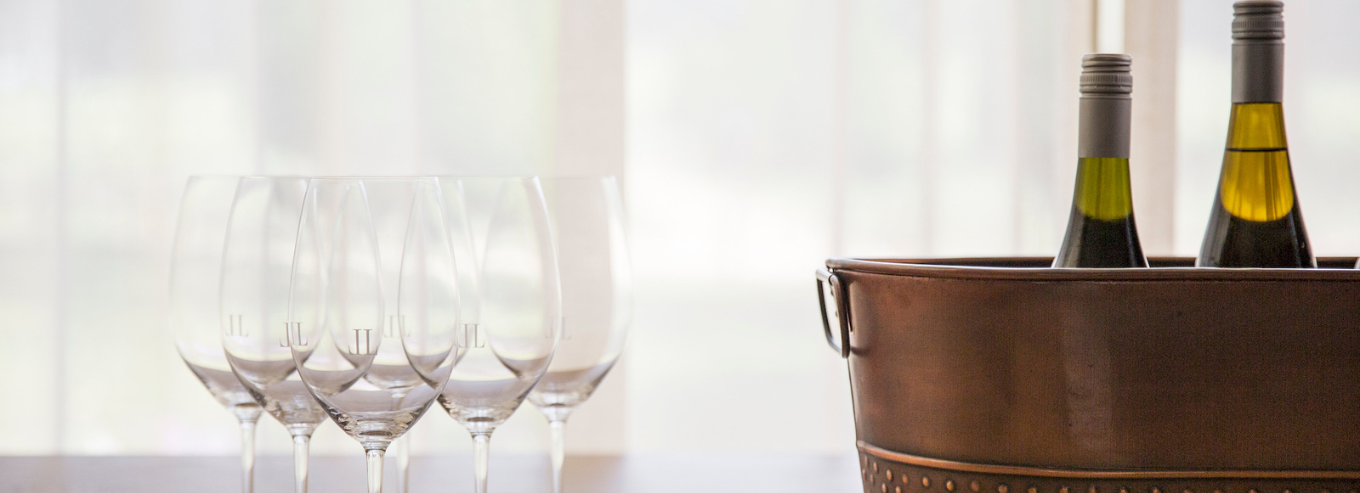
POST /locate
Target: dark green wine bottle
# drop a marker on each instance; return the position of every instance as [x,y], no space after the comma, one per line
[1101,231]
[1256,220]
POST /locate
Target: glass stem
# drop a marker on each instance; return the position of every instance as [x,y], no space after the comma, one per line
[403,445]
[559,452]
[301,445]
[248,454]
[375,470]
[481,446]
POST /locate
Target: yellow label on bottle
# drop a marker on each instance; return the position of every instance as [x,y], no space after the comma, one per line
[1103,188]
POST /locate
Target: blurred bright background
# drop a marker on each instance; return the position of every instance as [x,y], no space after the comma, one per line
[754,138]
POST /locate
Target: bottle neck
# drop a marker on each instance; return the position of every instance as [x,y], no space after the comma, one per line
[1104,126]
[1258,71]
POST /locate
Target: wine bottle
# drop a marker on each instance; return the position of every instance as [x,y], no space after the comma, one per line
[1101,231]
[1256,221]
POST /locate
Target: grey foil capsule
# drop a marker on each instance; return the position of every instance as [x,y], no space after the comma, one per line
[1106,105]
[1258,51]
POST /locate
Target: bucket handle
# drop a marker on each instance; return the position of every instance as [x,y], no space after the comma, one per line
[842,310]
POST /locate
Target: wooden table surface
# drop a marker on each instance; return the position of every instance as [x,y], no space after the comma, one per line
[647,472]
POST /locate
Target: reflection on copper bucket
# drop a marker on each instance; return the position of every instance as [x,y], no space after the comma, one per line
[1004,376]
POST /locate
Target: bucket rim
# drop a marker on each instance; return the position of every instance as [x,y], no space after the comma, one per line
[1036,269]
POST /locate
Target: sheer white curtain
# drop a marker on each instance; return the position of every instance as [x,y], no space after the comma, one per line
[107,105]
[760,137]
[765,137]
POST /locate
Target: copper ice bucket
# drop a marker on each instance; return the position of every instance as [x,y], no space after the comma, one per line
[1004,376]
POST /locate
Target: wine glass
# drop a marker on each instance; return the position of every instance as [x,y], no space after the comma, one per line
[256,266]
[510,303]
[195,321]
[374,371]
[592,254]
